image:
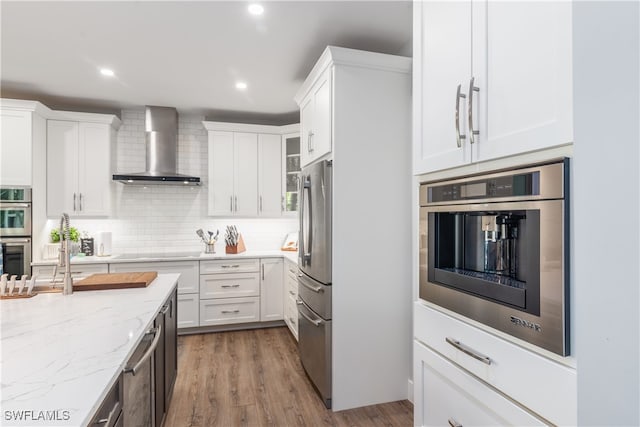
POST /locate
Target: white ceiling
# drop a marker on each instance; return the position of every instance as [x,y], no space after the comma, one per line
[185,54]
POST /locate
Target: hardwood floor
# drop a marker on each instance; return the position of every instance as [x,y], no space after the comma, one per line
[254,378]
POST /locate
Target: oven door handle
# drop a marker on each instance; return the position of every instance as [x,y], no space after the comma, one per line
[5,205]
[14,242]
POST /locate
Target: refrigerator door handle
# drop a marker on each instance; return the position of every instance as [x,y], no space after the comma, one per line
[307,220]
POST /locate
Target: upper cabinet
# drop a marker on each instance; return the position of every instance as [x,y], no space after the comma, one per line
[500,85]
[247,174]
[315,119]
[291,164]
[80,151]
[23,133]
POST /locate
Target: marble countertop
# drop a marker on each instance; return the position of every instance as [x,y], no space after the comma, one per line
[186,256]
[63,353]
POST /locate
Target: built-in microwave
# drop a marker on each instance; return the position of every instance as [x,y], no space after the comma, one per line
[15,212]
[494,248]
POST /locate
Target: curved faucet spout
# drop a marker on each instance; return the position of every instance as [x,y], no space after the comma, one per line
[64,256]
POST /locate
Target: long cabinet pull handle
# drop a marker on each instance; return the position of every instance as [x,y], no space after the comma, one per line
[459,136]
[262,271]
[468,350]
[472,132]
[230,286]
[80,202]
[230,311]
[236,200]
[454,423]
[149,352]
[260,203]
[74,202]
[230,266]
[230,203]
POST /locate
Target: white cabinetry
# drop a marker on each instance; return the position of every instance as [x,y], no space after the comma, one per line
[447,394]
[22,135]
[188,285]
[315,119]
[229,291]
[541,385]
[269,175]
[79,165]
[233,174]
[291,296]
[271,285]
[291,177]
[246,169]
[499,81]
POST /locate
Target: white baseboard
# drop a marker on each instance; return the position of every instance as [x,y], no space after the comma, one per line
[410,394]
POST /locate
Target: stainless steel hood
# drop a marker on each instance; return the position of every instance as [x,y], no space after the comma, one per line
[161,125]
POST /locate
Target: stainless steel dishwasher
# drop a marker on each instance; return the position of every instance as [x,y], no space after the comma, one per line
[139,383]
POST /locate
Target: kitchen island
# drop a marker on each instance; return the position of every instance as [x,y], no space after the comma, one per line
[61,354]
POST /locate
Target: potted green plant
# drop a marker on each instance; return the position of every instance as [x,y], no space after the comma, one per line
[74,236]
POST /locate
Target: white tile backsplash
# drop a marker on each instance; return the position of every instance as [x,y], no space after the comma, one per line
[159,218]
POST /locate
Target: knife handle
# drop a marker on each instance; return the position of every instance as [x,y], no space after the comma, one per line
[32,282]
[12,283]
[3,284]
[23,281]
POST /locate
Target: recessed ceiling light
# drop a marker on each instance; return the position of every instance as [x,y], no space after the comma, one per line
[256,9]
[107,72]
[241,85]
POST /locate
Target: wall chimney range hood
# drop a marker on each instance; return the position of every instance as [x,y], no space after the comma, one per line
[161,125]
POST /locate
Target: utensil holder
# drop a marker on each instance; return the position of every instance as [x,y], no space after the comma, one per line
[209,248]
[236,249]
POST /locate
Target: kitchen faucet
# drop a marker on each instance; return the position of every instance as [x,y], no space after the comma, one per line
[64,256]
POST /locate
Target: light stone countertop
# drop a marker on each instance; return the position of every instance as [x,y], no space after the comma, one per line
[63,353]
[187,256]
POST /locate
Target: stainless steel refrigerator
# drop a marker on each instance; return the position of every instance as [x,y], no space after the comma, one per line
[314,280]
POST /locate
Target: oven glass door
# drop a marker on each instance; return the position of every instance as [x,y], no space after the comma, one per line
[15,219]
[16,256]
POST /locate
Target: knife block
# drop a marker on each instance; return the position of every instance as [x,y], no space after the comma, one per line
[239,248]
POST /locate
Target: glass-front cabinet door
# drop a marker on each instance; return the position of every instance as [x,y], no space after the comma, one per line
[291,150]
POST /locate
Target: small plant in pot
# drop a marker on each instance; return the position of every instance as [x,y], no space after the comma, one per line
[74,236]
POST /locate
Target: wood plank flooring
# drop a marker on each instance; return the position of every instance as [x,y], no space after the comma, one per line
[254,378]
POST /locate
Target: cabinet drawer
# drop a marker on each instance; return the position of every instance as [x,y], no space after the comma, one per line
[233,265]
[229,285]
[445,394]
[543,385]
[78,271]
[229,310]
[188,310]
[189,272]
[111,406]
[291,288]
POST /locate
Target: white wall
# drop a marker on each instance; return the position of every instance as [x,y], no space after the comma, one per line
[160,218]
[606,201]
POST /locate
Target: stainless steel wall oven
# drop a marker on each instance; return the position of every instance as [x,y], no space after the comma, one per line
[15,231]
[494,248]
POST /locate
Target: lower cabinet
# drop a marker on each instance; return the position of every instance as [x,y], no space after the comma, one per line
[445,394]
[166,357]
[291,296]
[271,285]
[224,311]
[188,284]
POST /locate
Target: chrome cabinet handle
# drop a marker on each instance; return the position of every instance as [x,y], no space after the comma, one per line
[74,202]
[230,286]
[148,353]
[260,203]
[230,266]
[230,311]
[468,350]
[262,267]
[230,203]
[282,203]
[236,200]
[459,136]
[80,202]
[454,423]
[472,133]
